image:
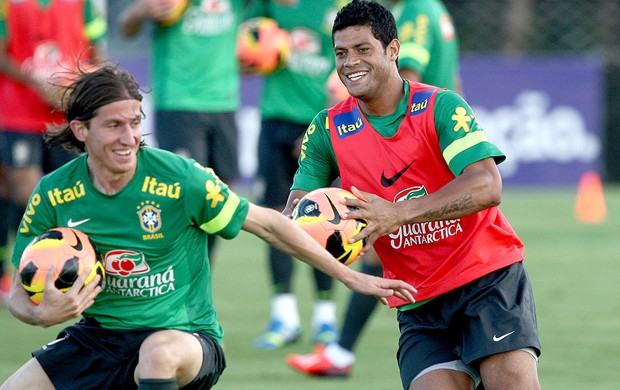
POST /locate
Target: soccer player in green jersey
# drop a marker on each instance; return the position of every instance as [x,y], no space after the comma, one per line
[429,186]
[152,324]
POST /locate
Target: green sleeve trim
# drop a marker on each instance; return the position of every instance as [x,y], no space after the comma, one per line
[224,217]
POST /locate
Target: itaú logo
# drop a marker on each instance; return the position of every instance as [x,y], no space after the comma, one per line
[419,102]
[349,123]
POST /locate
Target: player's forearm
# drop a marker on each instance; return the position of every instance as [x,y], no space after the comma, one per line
[281,233]
[19,304]
[477,188]
[56,306]
[300,245]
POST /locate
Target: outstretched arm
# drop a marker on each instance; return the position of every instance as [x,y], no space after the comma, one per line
[284,234]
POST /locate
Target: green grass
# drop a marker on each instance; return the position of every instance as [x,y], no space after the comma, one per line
[575,271]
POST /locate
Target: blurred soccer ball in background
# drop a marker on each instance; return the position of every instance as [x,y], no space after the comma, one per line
[262,46]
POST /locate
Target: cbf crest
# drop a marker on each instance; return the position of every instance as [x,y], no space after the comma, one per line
[149,214]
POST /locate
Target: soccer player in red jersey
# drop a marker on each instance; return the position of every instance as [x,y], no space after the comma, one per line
[429,186]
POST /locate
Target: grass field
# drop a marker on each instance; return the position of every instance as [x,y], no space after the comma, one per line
[575,270]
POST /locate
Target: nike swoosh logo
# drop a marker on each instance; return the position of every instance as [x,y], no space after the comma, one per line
[78,245]
[500,338]
[336,219]
[386,182]
[73,224]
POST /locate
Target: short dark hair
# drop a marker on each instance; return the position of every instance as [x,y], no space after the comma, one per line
[367,13]
[83,97]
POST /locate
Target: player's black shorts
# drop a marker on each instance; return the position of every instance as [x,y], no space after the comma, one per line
[277,158]
[22,150]
[490,315]
[87,356]
[209,138]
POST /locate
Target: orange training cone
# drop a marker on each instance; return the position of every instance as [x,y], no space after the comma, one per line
[590,204]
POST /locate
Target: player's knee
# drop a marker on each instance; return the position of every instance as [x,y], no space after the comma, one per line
[159,353]
[511,379]
[443,379]
[170,353]
[511,370]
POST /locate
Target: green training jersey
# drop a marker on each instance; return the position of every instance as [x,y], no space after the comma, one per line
[318,165]
[152,235]
[429,43]
[194,66]
[297,92]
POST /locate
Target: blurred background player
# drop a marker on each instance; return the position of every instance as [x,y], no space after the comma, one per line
[195,78]
[429,53]
[290,98]
[40,40]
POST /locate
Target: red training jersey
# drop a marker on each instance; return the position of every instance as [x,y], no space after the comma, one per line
[43,41]
[435,257]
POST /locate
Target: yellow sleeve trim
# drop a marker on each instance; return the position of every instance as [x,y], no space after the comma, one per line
[223,218]
[457,146]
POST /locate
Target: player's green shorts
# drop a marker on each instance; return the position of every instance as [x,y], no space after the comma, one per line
[87,356]
[490,315]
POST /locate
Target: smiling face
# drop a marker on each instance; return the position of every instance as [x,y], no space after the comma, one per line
[364,66]
[112,140]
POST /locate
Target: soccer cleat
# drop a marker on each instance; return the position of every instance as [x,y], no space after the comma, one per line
[277,336]
[317,364]
[325,333]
